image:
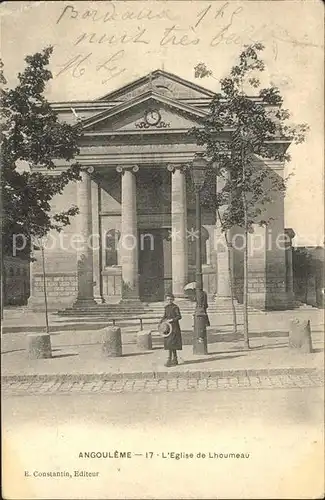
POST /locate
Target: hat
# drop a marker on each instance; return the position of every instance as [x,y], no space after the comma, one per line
[164,328]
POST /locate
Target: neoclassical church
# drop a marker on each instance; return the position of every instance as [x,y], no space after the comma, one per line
[134,238]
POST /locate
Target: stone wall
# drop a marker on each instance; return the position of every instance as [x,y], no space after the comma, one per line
[61,290]
[60,261]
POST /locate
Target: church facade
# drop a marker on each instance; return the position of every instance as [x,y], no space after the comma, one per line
[134,237]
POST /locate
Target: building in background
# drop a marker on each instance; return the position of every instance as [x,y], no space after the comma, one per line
[16,281]
[308,275]
[137,209]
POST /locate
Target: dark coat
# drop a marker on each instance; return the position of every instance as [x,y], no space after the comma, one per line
[203,302]
[174,340]
[207,323]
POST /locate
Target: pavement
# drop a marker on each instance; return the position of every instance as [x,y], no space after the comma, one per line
[79,364]
[22,319]
[266,402]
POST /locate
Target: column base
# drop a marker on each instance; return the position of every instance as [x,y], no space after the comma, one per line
[84,303]
[99,299]
[224,300]
[37,304]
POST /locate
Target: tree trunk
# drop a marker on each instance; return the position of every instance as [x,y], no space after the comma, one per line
[2,295]
[231,282]
[232,292]
[245,301]
[45,292]
[230,273]
[2,267]
[246,338]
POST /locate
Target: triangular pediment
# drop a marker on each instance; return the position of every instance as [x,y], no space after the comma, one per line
[160,82]
[148,112]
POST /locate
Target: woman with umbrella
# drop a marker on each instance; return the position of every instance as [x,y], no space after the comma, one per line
[190,290]
[170,328]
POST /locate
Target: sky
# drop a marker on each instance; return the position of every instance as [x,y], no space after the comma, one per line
[101,46]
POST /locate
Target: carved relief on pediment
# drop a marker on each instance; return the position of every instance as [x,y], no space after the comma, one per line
[165,86]
[148,116]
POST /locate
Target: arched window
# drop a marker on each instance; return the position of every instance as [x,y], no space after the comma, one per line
[111,241]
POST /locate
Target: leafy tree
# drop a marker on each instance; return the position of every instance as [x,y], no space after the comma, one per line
[238,131]
[32,136]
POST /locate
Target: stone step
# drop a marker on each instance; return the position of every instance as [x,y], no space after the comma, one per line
[128,312]
[105,307]
[104,310]
[188,310]
[124,310]
[108,307]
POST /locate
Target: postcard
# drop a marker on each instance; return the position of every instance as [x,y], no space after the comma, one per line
[162,242]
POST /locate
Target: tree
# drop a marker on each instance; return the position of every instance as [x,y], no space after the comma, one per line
[238,131]
[31,133]
[32,136]
[214,201]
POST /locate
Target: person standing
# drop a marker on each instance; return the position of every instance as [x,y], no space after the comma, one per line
[202,302]
[205,306]
[172,342]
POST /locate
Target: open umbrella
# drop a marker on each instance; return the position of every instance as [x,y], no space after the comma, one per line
[190,286]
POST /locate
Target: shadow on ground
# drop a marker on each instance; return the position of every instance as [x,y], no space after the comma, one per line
[66,355]
[209,358]
[136,354]
[13,350]
[217,336]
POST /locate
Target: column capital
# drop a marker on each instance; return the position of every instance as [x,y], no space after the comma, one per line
[132,168]
[88,170]
[172,167]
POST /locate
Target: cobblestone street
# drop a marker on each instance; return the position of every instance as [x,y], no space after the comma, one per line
[256,381]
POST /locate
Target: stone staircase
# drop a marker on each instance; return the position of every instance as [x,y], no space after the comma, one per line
[188,307]
[107,310]
[135,309]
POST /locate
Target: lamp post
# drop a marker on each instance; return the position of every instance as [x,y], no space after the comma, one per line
[200,345]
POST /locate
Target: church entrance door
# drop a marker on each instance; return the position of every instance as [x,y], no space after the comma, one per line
[151,265]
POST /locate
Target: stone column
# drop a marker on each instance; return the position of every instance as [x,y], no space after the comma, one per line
[97,242]
[85,280]
[290,234]
[179,228]
[129,235]
[223,281]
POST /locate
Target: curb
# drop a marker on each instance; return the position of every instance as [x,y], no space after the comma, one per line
[163,375]
[95,326]
[65,327]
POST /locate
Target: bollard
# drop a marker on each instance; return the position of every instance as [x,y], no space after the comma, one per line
[39,346]
[300,335]
[112,342]
[144,340]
